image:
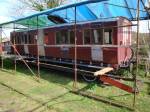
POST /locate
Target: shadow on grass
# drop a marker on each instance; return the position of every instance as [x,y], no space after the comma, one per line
[148,88]
[51,100]
[51,75]
[57,77]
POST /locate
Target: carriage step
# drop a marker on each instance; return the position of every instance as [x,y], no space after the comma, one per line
[117,84]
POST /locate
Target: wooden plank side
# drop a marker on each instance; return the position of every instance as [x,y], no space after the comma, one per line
[103,71]
[116,83]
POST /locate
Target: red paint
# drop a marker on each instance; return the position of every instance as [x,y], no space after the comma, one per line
[53,52]
[111,55]
[32,50]
[1,50]
[124,53]
[79,37]
[20,49]
[83,53]
[116,83]
[50,36]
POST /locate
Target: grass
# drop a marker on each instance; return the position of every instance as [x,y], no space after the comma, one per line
[53,94]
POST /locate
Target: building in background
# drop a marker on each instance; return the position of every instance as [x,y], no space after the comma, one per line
[5,46]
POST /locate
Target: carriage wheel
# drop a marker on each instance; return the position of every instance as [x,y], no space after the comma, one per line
[89,78]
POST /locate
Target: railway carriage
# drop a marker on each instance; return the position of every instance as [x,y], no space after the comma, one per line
[100,43]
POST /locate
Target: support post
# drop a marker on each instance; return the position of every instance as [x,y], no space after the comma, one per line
[2,65]
[148,63]
[137,51]
[14,39]
[38,59]
[75,50]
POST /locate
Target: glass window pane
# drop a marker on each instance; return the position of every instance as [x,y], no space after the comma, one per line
[29,39]
[72,35]
[58,38]
[65,39]
[97,36]
[87,35]
[62,37]
[108,36]
[25,37]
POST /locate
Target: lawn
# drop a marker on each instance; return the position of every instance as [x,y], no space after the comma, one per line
[20,92]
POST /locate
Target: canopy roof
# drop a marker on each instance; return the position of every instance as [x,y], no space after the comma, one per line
[85,11]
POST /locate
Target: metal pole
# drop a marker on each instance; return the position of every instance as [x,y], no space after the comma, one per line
[38,59]
[137,51]
[14,49]
[1,49]
[148,64]
[75,50]
[149,27]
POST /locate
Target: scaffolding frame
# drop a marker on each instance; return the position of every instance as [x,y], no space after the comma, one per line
[13,45]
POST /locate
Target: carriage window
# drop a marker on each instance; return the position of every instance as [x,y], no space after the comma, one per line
[22,39]
[58,38]
[62,37]
[125,35]
[35,39]
[108,36]
[97,36]
[46,38]
[14,39]
[87,35]
[17,39]
[25,39]
[72,37]
[29,38]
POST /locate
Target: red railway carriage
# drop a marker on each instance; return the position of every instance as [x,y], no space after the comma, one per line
[99,43]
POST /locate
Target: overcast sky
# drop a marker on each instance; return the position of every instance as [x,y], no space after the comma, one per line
[4,6]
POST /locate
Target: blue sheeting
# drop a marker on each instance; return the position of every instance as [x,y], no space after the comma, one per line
[105,9]
[91,10]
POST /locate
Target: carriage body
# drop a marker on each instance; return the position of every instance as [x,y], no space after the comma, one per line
[100,43]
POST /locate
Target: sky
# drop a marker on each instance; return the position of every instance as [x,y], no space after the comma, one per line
[7,10]
[4,5]
[6,13]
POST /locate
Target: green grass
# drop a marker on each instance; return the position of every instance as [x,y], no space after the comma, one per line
[53,94]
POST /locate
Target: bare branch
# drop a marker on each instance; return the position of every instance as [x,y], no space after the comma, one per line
[40,5]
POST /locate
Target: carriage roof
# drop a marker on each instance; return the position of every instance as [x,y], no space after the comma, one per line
[68,25]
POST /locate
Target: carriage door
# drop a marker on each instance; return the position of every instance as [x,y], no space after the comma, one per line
[97,52]
[65,40]
[41,42]
[26,49]
[25,38]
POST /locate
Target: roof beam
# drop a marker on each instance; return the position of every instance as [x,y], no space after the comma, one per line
[124,7]
[148,10]
[128,8]
[91,12]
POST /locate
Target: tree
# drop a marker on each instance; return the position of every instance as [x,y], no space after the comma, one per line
[22,8]
[40,5]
